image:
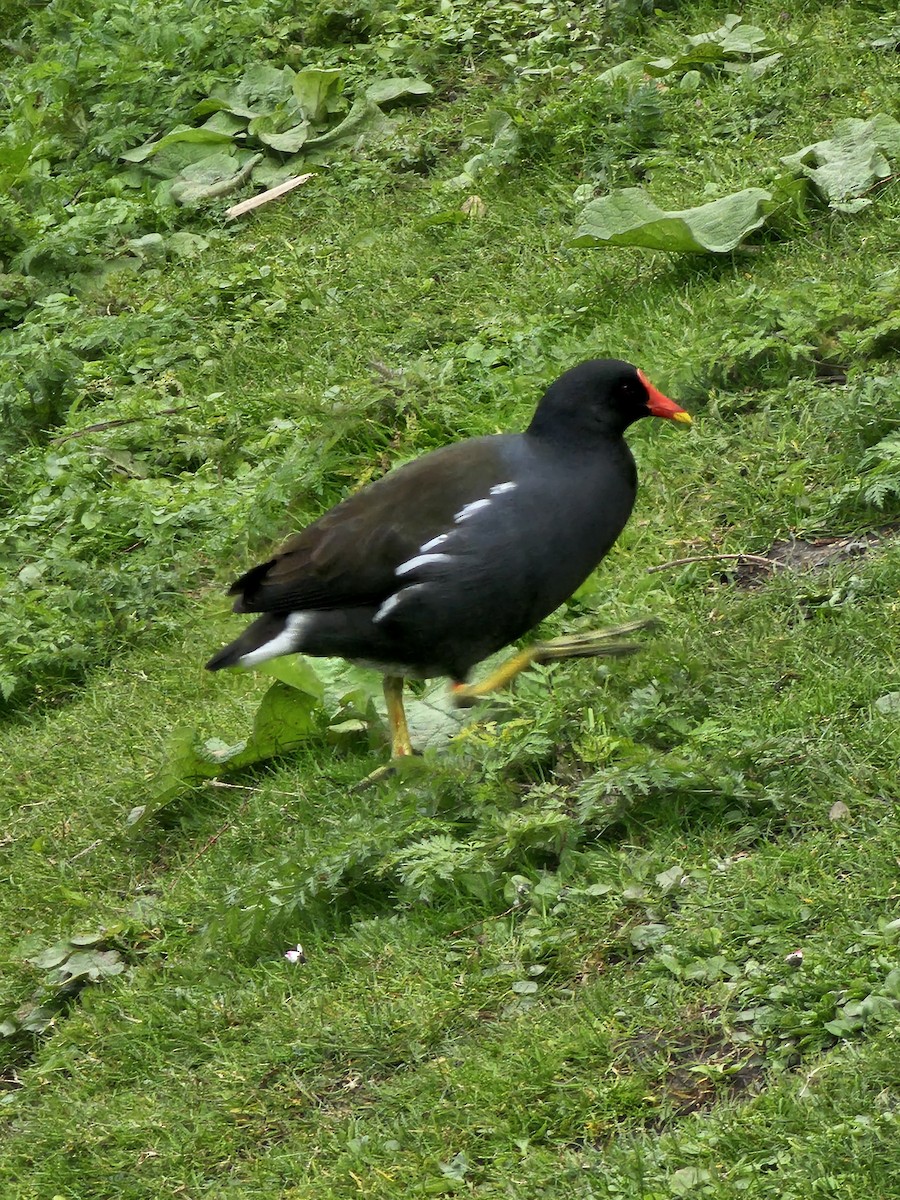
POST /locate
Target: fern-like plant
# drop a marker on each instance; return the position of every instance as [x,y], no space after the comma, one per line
[878,482]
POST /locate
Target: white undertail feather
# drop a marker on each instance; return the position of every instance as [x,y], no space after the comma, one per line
[286,642]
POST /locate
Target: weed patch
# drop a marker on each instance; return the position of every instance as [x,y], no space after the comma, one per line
[698,1066]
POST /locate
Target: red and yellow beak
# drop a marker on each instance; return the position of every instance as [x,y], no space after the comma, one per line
[661,406]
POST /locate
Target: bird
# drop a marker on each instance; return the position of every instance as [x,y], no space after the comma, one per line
[449,558]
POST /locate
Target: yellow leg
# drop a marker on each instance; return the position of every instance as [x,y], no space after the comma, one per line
[466,694]
[401,747]
[595,644]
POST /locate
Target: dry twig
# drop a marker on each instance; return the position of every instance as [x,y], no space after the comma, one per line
[759,559]
[281,189]
[101,425]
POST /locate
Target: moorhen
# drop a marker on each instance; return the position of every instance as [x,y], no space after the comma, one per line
[458,553]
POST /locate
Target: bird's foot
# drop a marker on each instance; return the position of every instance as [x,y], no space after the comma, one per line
[595,643]
[401,764]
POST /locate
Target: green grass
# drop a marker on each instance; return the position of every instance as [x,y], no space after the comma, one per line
[553,962]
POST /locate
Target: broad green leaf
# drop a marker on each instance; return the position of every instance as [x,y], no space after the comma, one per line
[662,66]
[317,92]
[82,940]
[151,247]
[726,46]
[186,245]
[91,965]
[672,878]
[730,22]
[733,35]
[683,62]
[217,175]
[850,206]
[434,718]
[854,158]
[216,751]
[503,133]
[688,1181]
[71,964]
[630,218]
[297,672]
[178,156]
[342,731]
[183,763]
[363,118]
[350,691]
[744,39]
[284,719]
[272,130]
[386,91]
[268,172]
[259,90]
[755,69]
[642,937]
[790,195]
[446,216]
[53,956]
[181,133]
[14,160]
[842,1026]
[212,104]
[225,122]
[631,71]
[38,1019]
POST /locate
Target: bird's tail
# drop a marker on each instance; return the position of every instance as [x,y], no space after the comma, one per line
[269,636]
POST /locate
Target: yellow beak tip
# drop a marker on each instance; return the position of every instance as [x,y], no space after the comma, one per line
[683,418]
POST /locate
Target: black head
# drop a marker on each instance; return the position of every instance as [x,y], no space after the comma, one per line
[599,399]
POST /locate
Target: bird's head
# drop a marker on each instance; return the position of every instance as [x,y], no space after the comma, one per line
[600,398]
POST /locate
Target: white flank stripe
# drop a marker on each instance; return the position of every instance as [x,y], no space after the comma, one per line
[285,642]
[435,541]
[470,509]
[421,560]
[499,488]
[388,606]
[391,603]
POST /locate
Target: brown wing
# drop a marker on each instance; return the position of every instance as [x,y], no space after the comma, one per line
[349,556]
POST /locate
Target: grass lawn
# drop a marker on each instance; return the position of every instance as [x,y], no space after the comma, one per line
[634,931]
